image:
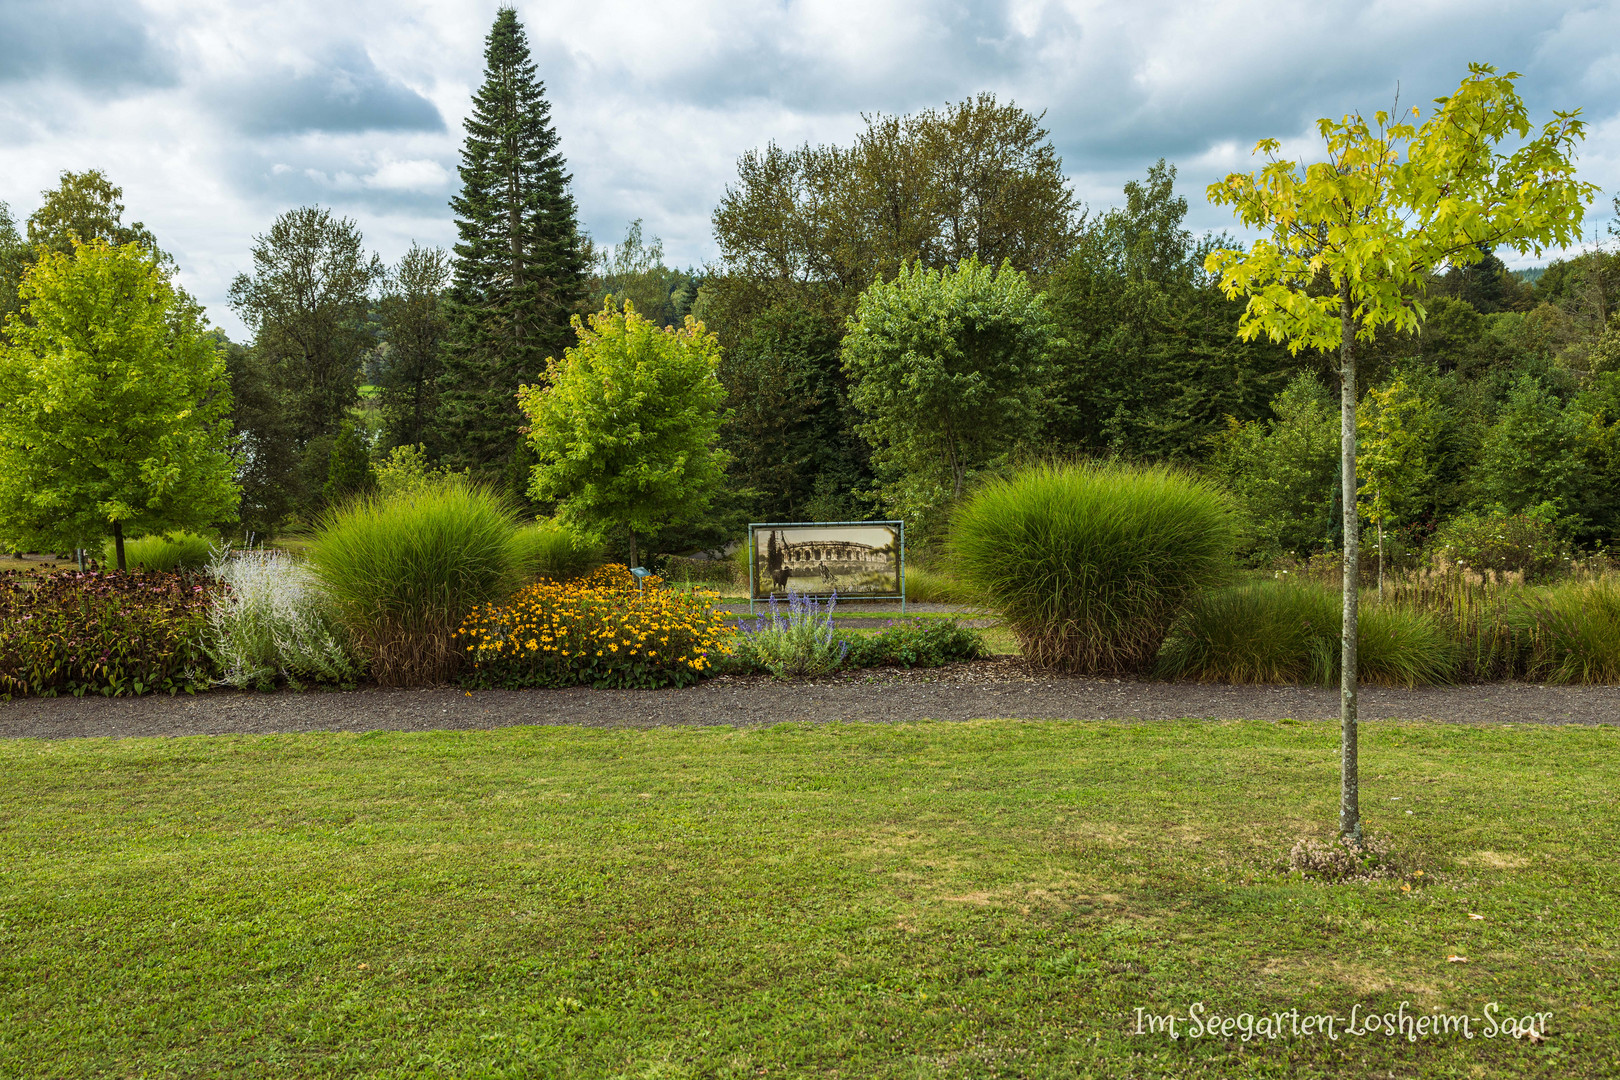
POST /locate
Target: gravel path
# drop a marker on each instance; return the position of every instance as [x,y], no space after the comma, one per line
[1002,687]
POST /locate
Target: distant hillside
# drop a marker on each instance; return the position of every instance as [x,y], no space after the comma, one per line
[1527,276]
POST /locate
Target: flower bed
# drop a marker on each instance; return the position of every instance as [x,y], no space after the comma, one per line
[103,633]
[599,631]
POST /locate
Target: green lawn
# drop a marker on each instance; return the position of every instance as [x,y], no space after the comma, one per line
[987,899]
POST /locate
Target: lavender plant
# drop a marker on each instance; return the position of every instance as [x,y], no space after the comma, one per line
[803,641]
[271,623]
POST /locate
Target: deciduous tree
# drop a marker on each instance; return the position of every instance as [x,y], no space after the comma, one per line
[634,270]
[625,428]
[1399,432]
[14,259]
[818,224]
[411,314]
[114,405]
[308,303]
[1350,242]
[1281,469]
[948,369]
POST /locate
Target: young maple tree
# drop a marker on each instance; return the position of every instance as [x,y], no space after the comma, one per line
[114,405]
[1350,242]
[625,425]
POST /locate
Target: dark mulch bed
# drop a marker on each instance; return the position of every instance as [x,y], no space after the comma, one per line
[1003,688]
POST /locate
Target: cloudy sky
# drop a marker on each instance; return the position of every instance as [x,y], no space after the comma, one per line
[216,116]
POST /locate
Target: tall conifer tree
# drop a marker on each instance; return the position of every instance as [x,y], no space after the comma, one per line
[519,268]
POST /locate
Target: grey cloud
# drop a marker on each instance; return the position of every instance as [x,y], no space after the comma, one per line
[1102,120]
[343,92]
[84,42]
[328,182]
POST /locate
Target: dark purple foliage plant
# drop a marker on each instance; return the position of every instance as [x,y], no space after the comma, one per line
[102,633]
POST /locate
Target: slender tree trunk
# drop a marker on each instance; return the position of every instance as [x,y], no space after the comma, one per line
[635,555]
[1349,776]
[118,542]
[1380,560]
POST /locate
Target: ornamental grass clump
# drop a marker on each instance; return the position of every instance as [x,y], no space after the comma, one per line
[554,552]
[272,624]
[1288,632]
[404,571]
[1090,564]
[602,630]
[1257,632]
[102,633]
[1572,632]
[174,551]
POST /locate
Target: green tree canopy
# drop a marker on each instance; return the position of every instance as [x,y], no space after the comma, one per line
[948,369]
[818,224]
[1151,367]
[1538,453]
[1399,429]
[14,259]
[625,430]
[412,317]
[519,269]
[1281,470]
[308,303]
[86,206]
[114,405]
[634,270]
[263,442]
[792,433]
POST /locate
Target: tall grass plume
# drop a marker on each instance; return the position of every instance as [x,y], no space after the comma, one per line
[404,571]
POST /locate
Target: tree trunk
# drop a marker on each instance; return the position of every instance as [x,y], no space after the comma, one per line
[634,553]
[1349,777]
[118,542]
[1380,560]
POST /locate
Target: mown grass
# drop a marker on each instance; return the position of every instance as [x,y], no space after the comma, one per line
[986,899]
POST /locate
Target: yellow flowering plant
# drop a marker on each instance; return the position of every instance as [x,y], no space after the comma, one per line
[602,630]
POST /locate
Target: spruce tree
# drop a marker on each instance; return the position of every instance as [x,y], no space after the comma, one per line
[519,270]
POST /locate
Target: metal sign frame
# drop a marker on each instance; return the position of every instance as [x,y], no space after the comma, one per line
[753,555]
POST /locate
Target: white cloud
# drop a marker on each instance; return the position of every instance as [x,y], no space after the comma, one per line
[422,174]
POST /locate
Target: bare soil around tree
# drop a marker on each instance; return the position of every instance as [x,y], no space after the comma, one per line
[1003,688]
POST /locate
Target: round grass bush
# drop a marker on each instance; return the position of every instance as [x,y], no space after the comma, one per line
[550,551]
[403,571]
[1286,632]
[1090,564]
[176,551]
